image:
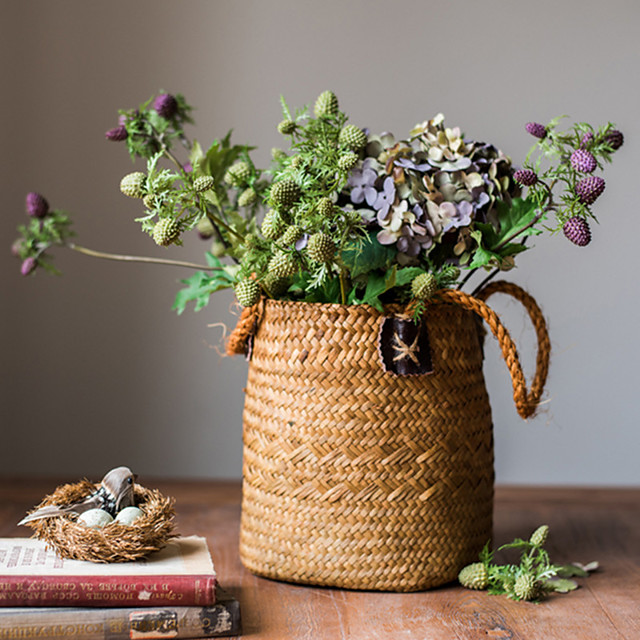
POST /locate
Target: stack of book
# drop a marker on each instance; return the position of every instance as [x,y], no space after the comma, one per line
[171,594]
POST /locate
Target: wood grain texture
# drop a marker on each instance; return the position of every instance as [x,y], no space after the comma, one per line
[598,524]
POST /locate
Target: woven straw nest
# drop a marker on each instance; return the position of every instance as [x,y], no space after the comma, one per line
[115,542]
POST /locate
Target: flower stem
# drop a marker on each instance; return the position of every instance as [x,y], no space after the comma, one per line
[144,259]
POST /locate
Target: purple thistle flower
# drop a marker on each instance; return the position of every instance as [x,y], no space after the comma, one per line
[525,177]
[589,189]
[36,205]
[117,134]
[583,161]
[536,129]
[362,179]
[614,139]
[385,198]
[166,105]
[577,230]
[28,266]
[586,139]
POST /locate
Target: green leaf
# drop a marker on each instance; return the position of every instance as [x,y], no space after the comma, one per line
[561,585]
[571,570]
[199,288]
[368,255]
[515,217]
[406,275]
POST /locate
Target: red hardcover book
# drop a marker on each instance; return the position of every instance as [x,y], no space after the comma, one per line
[181,574]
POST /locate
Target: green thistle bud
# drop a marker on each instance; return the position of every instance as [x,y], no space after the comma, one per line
[218,249]
[134,184]
[283,265]
[291,235]
[352,137]
[205,229]
[539,536]
[203,183]
[325,207]
[321,248]
[238,174]
[272,226]
[247,197]
[347,161]
[526,587]
[474,576]
[326,105]
[296,162]
[278,154]
[424,286]
[149,201]
[285,193]
[274,285]
[247,292]
[287,127]
[251,241]
[166,231]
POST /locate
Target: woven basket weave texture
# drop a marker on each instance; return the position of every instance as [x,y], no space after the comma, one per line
[354,477]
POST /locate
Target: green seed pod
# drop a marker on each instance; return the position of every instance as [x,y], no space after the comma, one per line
[474,576]
[166,231]
[539,536]
[203,183]
[149,201]
[296,162]
[526,587]
[134,184]
[424,286]
[321,248]
[352,137]
[238,174]
[326,105]
[274,285]
[205,229]
[290,236]
[285,193]
[287,127]
[218,249]
[278,154]
[325,207]
[247,292]
[272,226]
[247,197]
[347,161]
[283,265]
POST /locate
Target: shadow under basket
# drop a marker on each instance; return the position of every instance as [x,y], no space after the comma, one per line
[115,542]
[356,477]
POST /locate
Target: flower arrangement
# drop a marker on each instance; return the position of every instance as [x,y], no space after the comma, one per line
[342,215]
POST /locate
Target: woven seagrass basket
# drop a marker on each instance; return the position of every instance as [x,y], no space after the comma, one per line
[359,478]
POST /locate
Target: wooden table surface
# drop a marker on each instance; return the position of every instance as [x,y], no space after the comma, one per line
[586,525]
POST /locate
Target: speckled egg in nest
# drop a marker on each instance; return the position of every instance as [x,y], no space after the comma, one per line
[115,542]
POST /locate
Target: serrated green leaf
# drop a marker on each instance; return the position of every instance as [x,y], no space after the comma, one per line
[561,585]
[407,274]
[199,288]
[369,255]
[571,570]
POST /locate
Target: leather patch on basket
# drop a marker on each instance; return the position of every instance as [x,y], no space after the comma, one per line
[404,347]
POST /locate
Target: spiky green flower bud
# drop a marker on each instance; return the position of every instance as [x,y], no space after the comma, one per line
[149,201]
[204,228]
[274,285]
[352,137]
[347,161]
[321,248]
[247,197]
[272,226]
[238,174]
[297,161]
[218,249]
[278,154]
[166,231]
[251,241]
[203,183]
[424,286]
[326,105]
[287,127]
[526,587]
[474,576]
[134,184]
[539,536]
[283,265]
[247,292]
[325,207]
[285,193]
[292,234]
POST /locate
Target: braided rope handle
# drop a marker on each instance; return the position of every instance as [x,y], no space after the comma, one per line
[526,400]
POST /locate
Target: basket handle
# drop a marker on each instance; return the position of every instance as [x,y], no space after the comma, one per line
[526,400]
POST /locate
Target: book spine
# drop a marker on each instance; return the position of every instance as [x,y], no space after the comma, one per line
[107,591]
[219,620]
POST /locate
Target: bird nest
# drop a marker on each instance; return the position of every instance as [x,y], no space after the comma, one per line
[115,542]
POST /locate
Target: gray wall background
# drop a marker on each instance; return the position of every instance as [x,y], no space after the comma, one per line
[97,370]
